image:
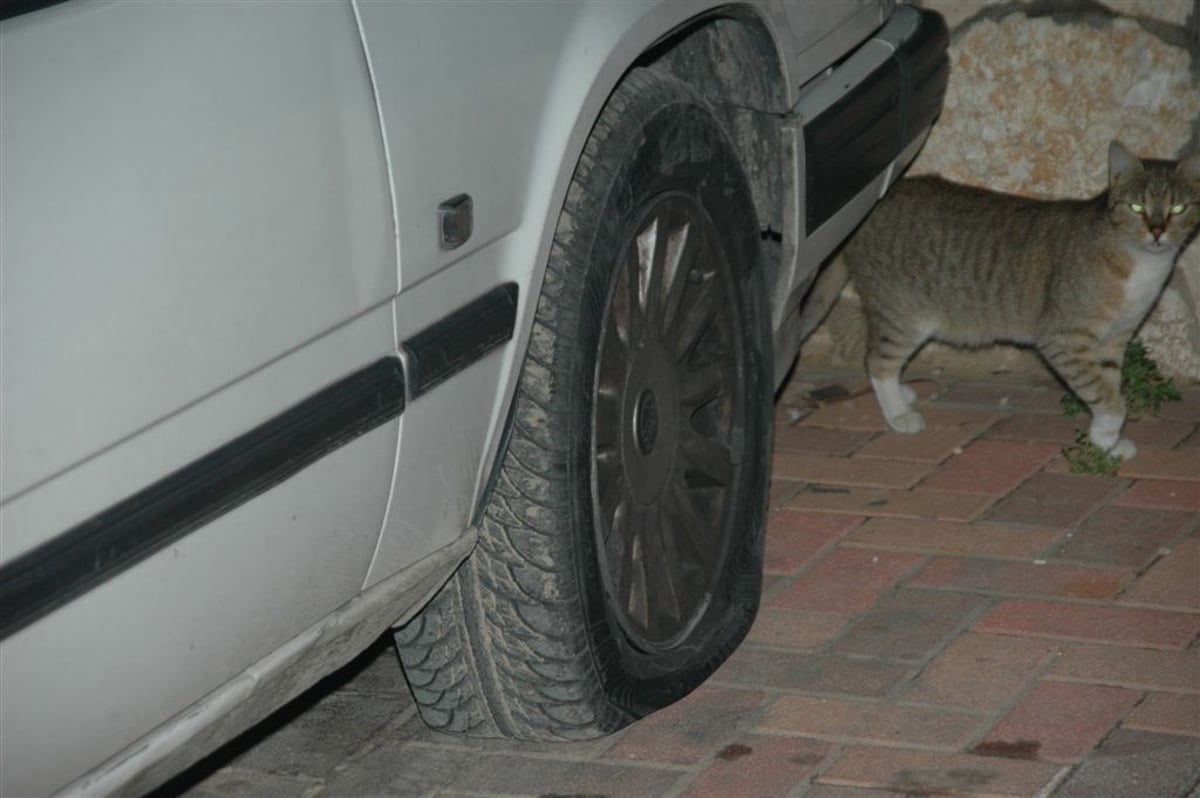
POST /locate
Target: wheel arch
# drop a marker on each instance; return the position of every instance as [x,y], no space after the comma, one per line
[730,54]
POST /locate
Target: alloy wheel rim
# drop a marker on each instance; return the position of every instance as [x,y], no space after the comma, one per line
[667,433]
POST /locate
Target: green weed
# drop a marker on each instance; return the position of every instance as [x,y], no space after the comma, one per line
[1142,384]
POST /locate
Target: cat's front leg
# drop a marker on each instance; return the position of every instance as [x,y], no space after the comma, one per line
[1093,373]
[1108,414]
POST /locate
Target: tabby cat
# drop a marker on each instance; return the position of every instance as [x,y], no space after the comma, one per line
[970,267]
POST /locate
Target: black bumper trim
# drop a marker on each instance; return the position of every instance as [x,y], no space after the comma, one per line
[854,140]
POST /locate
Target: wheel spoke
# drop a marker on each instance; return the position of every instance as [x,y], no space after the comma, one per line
[665,564]
[641,272]
[625,314]
[610,478]
[633,577]
[699,530]
[694,314]
[705,458]
[698,386]
[677,264]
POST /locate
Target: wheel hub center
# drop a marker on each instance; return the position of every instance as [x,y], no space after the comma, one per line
[651,419]
[645,421]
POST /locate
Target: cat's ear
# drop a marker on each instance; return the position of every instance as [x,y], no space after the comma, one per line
[1189,168]
[1122,164]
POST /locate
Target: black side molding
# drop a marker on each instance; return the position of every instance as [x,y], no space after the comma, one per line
[852,141]
[98,549]
[15,8]
[448,346]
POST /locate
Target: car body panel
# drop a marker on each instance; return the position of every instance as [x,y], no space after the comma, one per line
[214,176]
[248,155]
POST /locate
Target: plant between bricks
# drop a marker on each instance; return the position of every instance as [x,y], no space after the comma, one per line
[1142,384]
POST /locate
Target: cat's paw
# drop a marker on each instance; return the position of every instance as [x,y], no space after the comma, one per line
[1123,449]
[908,423]
[909,393]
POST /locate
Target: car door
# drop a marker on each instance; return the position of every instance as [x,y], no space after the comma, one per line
[196,239]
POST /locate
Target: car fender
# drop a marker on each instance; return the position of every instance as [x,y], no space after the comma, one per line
[517,185]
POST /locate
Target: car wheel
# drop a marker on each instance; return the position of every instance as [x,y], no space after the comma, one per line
[620,551]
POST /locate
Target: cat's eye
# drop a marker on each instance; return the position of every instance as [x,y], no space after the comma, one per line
[1136,207]
[1177,210]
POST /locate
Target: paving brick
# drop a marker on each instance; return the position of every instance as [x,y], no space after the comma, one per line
[425,769]
[907,624]
[760,766]
[686,732]
[974,420]
[981,671]
[1136,668]
[316,738]
[1173,581]
[991,466]
[782,491]
[1159,464]
[1186,409]
[1041,398]
[1167,494]
[1170,713]
[1054,499]
[924,504]
[1059,722]
[1009,577]
[1130,536]
[760,668]
[867,472]
[857,413]
[238,781]
[933,445]
[915,773]
[1158,433]
[846,581]
[502,774]
[795,537]
[1042,427]
[949,537]
[1191,441]
[1135,764]
[798,630]
[1147,433]
[819,440]
[1092,623]
[862,721]
[835,791]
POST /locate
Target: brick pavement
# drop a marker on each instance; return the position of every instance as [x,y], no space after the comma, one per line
[950,613]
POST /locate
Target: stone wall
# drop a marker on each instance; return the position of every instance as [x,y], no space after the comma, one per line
[1037,90]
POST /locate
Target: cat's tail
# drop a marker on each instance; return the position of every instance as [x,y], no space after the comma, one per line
[822,296]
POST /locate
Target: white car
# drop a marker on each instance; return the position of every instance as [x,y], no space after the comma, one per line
[463,319]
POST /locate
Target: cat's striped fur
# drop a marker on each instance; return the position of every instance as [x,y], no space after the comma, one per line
[967,266]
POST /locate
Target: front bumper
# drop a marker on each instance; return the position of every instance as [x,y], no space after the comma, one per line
[864,113]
